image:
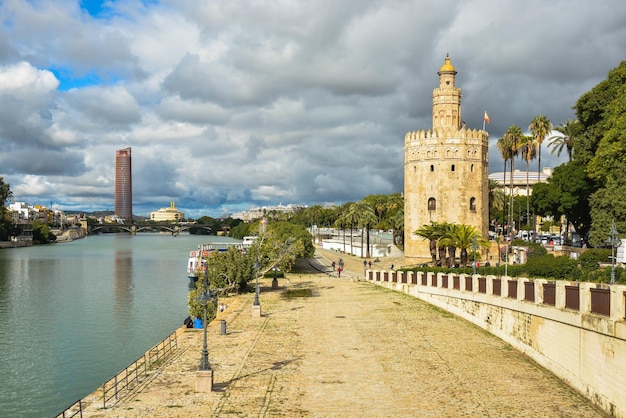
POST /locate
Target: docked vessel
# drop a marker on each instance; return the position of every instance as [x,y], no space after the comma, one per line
[198,258]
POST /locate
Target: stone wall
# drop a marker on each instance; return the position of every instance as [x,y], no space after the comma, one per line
[577,331]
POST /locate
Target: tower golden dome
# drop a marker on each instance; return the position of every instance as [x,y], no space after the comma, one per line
[447,67]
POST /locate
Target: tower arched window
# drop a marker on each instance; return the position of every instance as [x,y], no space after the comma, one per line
[473,204]
[432,204]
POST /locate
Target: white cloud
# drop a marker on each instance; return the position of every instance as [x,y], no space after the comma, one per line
[232,104]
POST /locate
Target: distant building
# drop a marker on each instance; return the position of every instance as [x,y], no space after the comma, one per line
[123,184]
[167,214]
[519,180]
[260,212]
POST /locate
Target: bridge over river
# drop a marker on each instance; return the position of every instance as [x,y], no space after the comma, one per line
[172,227]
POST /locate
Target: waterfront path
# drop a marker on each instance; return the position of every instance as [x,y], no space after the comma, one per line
[352,349]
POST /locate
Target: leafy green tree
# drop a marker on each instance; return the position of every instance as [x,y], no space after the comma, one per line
[567,192]
[5,193]
[286,231]
[241,230]
[607,205]
[593,113]
[41,233]
[602,147]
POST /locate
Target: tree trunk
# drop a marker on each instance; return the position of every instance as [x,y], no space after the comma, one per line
[433,251]
[367,251]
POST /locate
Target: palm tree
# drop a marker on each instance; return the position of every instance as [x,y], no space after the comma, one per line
[352,218]
[528,149]
[394,213]
[342,222]
[397,223]
[540,127]
[448,231]
[462,236]
[569,131]
[364,216]
[510,147]
[505,152]
[429,232]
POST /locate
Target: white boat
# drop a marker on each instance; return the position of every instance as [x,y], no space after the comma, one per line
[198,258]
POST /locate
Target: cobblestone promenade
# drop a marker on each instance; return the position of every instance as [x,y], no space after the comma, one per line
[352,349]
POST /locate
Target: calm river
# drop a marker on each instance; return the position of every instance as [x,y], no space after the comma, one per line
[73,314]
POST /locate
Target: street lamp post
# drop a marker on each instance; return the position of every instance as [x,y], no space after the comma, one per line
[205,297]
[256,289]
[474,249]
[614,241]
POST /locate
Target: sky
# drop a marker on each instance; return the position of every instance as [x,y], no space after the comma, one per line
[234,104]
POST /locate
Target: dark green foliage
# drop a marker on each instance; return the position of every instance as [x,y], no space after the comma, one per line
[42,234]
[270,274]
[241,230]
[286,230]
[590,259]
[551,267]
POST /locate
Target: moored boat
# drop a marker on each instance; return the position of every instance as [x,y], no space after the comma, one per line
[198,258]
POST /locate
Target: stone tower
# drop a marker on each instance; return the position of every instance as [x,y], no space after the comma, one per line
[445,170]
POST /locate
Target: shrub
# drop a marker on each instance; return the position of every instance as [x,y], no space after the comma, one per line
[590,260]
[549,266]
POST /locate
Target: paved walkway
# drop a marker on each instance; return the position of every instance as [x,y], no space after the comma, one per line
[352,349]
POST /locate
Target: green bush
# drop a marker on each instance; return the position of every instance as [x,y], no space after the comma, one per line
[551,267]
[270,274]
[590,260]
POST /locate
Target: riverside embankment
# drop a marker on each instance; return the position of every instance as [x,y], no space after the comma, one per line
[350,349]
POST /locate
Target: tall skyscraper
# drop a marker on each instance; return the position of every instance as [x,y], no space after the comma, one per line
[123,184]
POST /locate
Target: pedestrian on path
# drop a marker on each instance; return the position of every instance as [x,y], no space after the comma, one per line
[339,272]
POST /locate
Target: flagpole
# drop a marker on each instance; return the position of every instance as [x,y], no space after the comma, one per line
[484,121]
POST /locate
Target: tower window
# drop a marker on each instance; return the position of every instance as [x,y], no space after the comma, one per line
[432,168]
[473,204]
[472,168]
[432,204]
[452,167]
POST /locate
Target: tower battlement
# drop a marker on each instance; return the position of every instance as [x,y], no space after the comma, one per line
[447,133]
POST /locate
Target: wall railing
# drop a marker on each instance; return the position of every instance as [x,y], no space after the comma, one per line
[128,378]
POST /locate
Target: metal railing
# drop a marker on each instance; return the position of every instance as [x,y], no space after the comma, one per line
[75,409]
[131,375]
[128,377]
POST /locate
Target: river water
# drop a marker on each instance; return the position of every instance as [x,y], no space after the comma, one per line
[74,314]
